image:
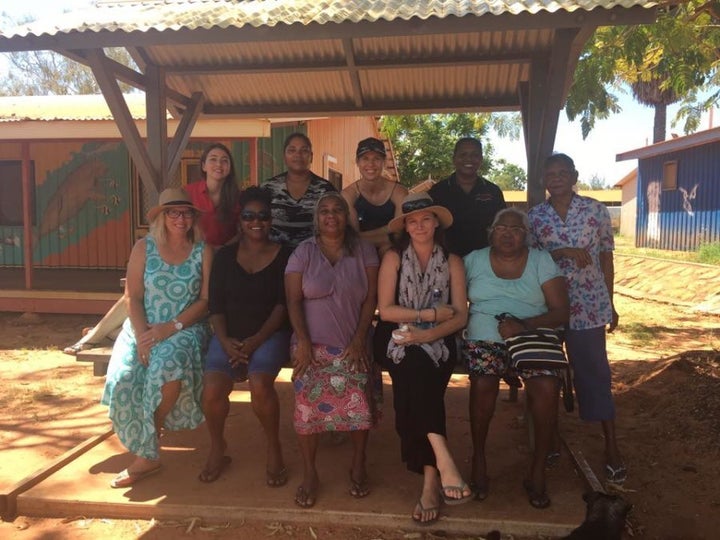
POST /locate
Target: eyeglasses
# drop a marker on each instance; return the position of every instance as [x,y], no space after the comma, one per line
[514,229]
[562,175]
[174,213]
[248,215]
[419,204]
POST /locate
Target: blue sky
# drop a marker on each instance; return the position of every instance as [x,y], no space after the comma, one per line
[594,156]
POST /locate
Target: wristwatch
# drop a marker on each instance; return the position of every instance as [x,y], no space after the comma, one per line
[178,325]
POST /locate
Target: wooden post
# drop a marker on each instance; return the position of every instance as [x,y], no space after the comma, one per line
[253,162]
[27,215]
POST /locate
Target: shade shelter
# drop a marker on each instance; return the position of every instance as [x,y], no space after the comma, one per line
[269,58]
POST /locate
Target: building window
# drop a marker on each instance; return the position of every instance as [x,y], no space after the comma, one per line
[11,203]
[669,175]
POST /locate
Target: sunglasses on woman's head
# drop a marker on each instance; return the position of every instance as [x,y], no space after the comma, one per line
[248,215]
[174,213]
[411,206]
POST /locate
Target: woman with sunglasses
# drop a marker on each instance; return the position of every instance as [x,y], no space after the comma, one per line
[154,378]
[422,300]
[252,336]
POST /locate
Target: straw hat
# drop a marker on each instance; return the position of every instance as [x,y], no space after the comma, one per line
[171,198]
[420,202]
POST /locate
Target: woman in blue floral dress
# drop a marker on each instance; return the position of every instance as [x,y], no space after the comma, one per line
[154,379]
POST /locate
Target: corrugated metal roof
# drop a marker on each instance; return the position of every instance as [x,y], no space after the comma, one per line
[161,15]
[672,145]
[83,107]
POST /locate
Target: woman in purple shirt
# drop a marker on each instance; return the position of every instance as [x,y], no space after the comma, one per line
[331,287]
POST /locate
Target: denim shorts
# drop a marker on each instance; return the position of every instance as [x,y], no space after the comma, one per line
[268,358]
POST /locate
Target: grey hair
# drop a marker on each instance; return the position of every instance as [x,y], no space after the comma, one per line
[516,211]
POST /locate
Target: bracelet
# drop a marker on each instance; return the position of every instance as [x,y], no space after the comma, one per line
[419,319]
[434,314]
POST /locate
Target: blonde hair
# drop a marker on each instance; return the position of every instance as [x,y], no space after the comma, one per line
[159,232]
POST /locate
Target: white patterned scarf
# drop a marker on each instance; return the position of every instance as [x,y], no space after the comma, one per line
[415,290]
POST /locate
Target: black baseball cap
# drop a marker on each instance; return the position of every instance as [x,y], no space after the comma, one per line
[371,144]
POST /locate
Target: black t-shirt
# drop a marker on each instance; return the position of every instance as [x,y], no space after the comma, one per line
[246,299]
[472,212]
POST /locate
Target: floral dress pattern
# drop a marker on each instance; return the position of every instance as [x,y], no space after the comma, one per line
[132,391]
[587,225]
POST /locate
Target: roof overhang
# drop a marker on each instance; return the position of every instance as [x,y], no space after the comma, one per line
[672,145]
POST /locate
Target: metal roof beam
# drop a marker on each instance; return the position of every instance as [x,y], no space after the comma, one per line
[445,104]
[356,66]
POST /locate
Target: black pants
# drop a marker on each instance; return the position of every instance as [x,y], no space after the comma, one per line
[419,401]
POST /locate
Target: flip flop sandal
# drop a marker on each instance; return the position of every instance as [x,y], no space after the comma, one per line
[276,479]
[127,478]
[616,475]
[539,500]
[304,498]
[359,489]
[552,459]
[480,490]
[452,501]
[210,475]
[424,510]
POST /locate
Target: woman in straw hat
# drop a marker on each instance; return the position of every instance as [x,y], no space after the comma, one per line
[154,378]
[421,291]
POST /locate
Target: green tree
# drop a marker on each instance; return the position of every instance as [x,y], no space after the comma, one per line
[662,63]
[508,176]
[37,73]
[424,144]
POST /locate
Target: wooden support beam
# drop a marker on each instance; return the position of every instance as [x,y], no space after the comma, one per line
[352,72]
[116,102]
[157,136]
[253,162]
[27,191]
[183,132]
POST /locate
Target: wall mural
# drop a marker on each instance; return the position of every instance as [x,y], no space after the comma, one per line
[688,198]
[86,196]
[653,199]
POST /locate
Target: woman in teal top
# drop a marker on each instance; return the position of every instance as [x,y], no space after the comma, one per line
[154,378]
[509,277]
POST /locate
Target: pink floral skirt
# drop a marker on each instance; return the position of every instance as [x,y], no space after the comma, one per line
[332,396]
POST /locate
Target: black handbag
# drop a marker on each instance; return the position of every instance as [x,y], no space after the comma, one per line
[541,348]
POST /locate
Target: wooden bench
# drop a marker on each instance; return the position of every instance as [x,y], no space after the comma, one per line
[99,356]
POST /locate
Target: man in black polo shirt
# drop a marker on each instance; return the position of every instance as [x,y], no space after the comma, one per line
[472,200]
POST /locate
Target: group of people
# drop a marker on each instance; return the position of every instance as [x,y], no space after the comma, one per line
[295,272]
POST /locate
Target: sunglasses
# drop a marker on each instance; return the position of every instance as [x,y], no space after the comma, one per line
[174,213]
[248,215]
[412,206]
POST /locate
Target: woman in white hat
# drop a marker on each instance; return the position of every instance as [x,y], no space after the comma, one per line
[154,378]
[421,291]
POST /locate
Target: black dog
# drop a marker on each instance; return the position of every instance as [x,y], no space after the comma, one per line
[604,517]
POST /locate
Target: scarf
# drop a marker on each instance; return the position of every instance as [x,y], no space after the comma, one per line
[421,290]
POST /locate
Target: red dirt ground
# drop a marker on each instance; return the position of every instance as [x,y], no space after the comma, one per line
[666,369]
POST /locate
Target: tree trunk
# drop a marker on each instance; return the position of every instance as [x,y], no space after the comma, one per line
[660,122]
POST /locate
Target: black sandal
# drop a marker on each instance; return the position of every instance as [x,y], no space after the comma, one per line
[539,500]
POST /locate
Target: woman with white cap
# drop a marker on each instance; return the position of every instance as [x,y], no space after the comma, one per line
[421,292]
[154,378]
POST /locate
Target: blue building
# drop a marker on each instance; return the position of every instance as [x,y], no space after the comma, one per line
[678,192]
